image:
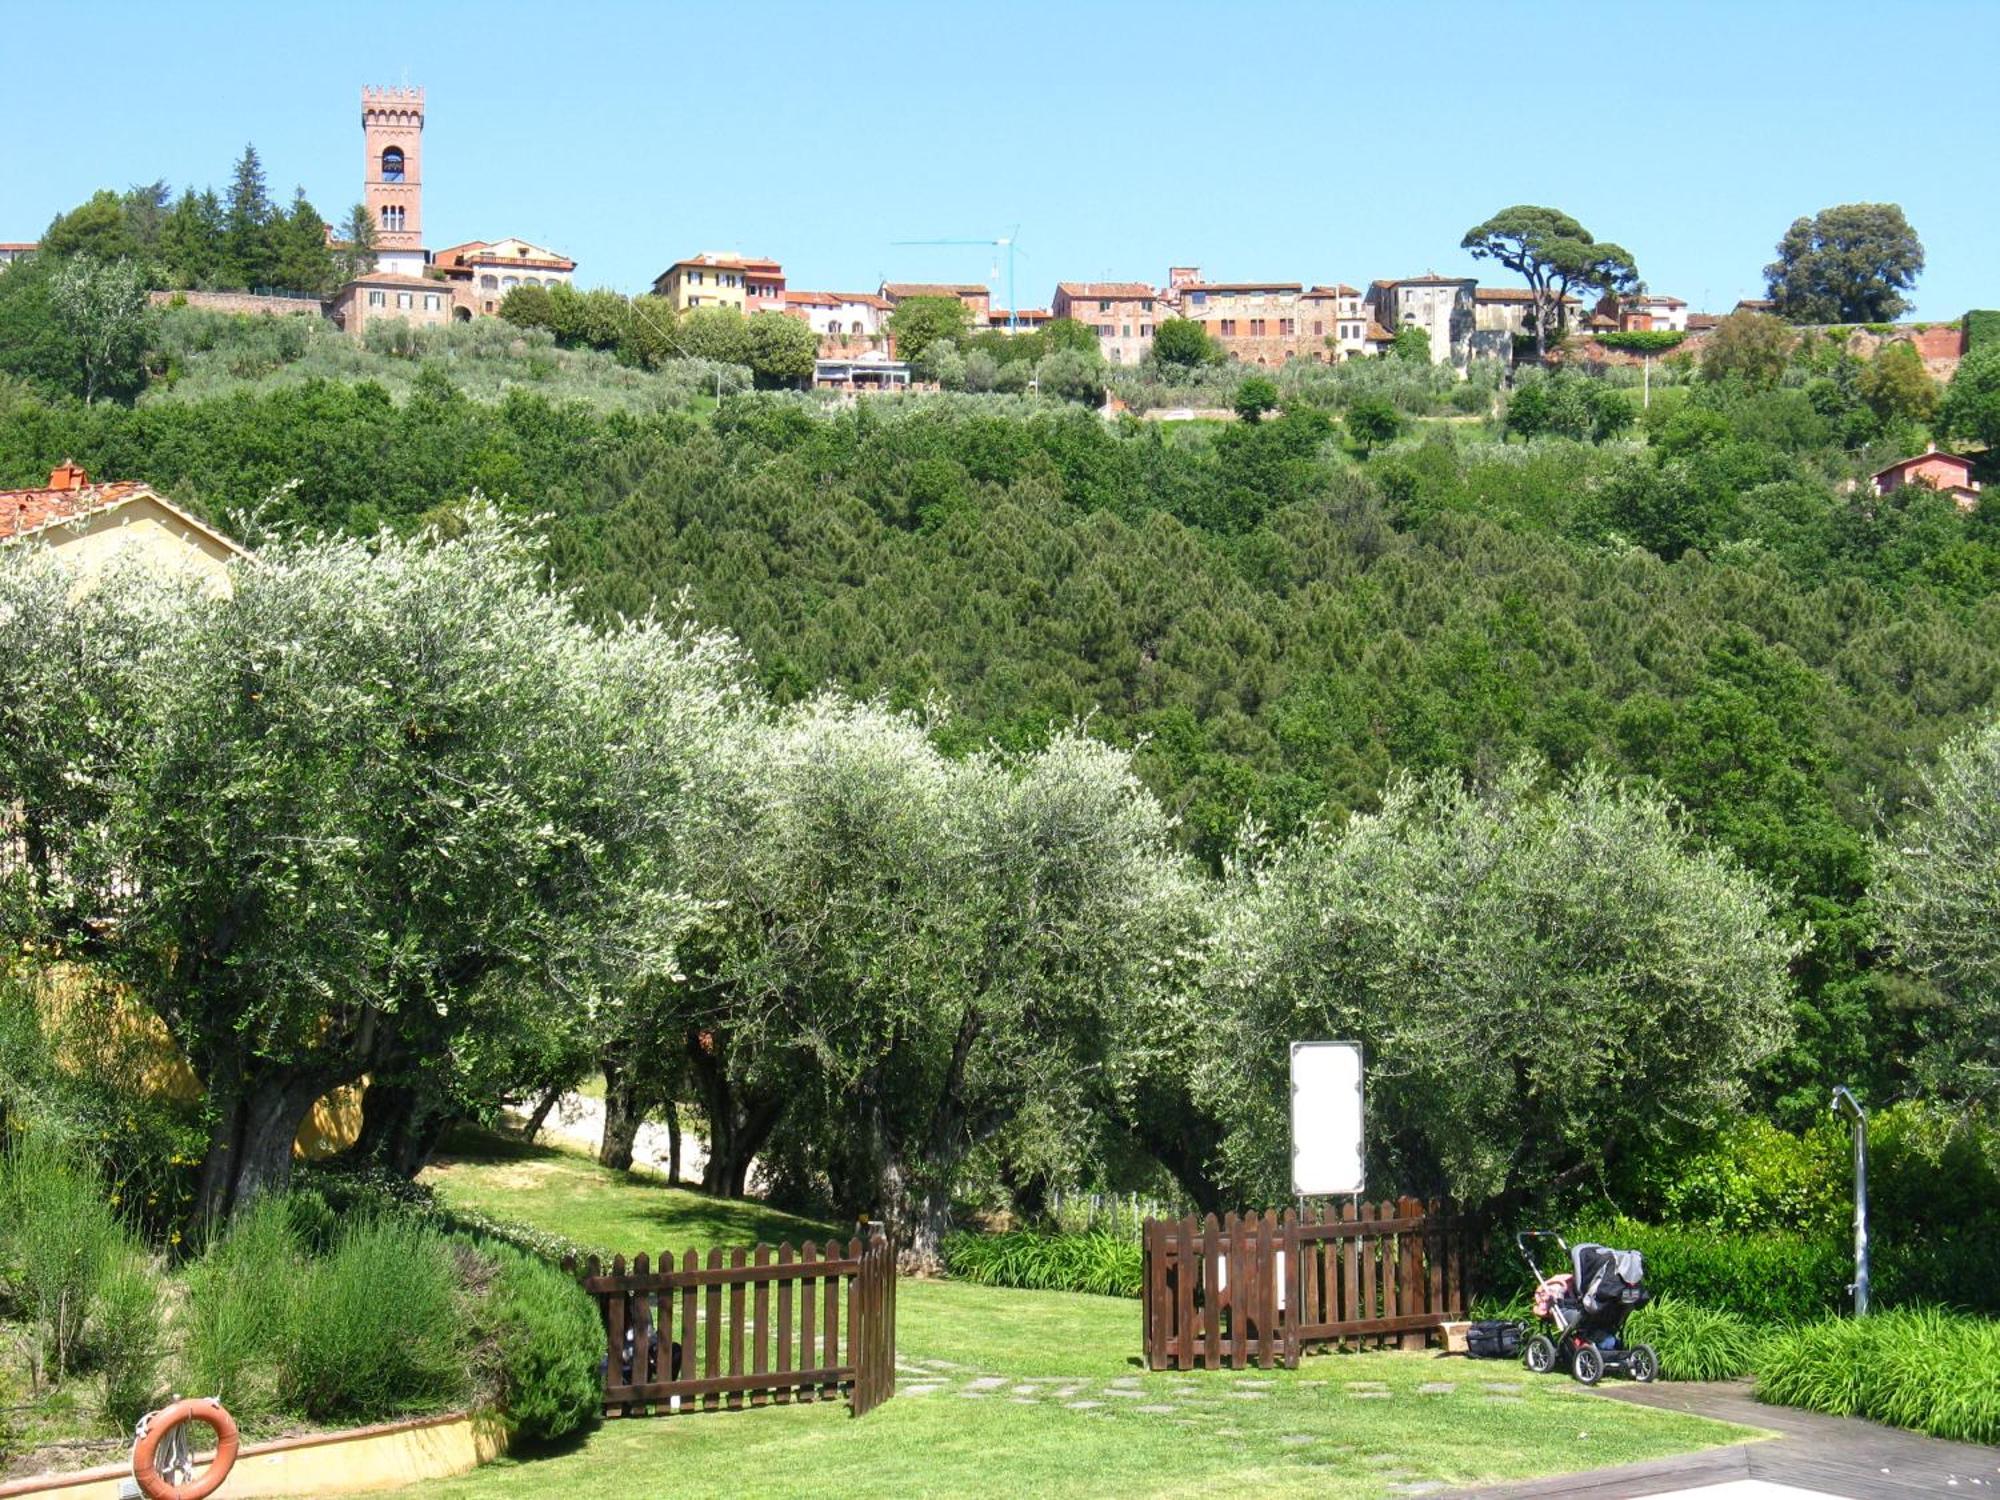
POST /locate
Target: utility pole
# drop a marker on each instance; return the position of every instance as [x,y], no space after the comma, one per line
[1842,1095]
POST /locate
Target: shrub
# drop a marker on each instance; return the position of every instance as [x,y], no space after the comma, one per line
[544,1340]
[60,1243]
[1642,340]
[236,1320]
[1773,1276]
[376,1327]
[1109,1265]
[1695,1342]
[128,1342]
[1916,1367]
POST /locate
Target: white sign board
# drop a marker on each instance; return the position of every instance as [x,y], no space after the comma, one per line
[1326,1118]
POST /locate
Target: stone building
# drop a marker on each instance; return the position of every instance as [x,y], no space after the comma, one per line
[1121,313]
[1444,307]
[392,134]
[1262,322]
[386,296]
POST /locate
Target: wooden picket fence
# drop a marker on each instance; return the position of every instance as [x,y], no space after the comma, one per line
[1260,1287]
[754,1327]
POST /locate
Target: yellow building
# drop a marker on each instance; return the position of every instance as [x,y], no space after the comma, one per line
[714,279]
[90,524]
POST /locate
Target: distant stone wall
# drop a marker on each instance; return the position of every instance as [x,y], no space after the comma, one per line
[242,302]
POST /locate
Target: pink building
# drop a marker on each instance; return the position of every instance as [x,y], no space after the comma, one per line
[1946,473]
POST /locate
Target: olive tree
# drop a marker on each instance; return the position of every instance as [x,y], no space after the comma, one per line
[353,808]
[1538,979]
[915,947]
[1937,886]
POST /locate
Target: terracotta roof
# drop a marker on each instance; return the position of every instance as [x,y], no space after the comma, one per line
[1512,294]
[728,262]
[23,513]
[1106,289]
[999,315]
[1377,334]
[1244,286]
[1698,322]
[20,244]
[1653,301]
[453,252]
[866,299]
[893,289]
[1343,290]
[1433,279]
[810,299]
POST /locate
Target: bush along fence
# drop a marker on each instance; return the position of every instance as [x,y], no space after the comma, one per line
[754,1327]
[1263,1286]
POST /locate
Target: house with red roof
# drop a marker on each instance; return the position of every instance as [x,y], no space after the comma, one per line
[1947,473]
[1122,313]
[91,525]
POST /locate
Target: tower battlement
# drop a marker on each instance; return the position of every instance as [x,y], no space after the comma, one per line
[391,95]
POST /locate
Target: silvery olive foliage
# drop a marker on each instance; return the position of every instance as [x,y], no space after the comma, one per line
[1937,887]
[1538,978]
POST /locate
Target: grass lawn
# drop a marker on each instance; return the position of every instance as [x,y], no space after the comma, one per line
[1007,1393]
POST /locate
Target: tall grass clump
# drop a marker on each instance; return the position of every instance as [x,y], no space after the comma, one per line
[376,1327]
[1931,1371]
[1109,1265]
[236,1319]
[61,1243]
[1695,1342]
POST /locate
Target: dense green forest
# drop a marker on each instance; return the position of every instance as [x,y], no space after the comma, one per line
[1274,622]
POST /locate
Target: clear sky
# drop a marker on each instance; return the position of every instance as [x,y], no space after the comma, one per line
[1313,142]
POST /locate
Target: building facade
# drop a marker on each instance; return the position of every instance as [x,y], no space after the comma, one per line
[482,273]
[389,296]
[392,134]
[1947,473]
[92,526]
[844,316]
[1121,313]
[978,301]
[1442,306]
[1262,322]
[716,278]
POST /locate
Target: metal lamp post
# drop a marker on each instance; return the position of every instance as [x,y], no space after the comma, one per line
[1842,1095]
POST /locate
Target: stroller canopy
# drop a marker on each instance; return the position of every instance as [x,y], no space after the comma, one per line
[1608,1278]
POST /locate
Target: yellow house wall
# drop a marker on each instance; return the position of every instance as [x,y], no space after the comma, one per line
[711,291]
[102,1033]
[146,531]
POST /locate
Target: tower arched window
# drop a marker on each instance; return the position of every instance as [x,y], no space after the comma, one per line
[392,164]
[392,216]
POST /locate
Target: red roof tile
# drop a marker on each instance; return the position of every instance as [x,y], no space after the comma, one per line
[1105,290]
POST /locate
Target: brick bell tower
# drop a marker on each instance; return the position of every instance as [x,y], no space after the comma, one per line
[392,130]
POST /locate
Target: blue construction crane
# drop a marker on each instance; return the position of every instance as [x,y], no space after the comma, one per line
[1008,242]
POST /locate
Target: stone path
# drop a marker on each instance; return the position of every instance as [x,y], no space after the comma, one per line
[1842,1457]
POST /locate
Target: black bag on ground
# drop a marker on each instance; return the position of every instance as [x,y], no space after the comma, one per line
[1493,1338]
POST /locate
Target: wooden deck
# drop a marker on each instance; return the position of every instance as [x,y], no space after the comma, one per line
[1842,1456]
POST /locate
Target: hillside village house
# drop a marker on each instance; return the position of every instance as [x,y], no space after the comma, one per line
[389,295]
[1443,306]
[482,273]
[1020,320]
[717,279]
[840,315]
[1260,322]
[89,525]
[1120,313]
[1645,312]
[13,250]
[1946,473]
[978,301]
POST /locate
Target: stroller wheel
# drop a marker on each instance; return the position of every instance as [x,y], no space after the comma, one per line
[1587,1364]
[1540,1355]
[1644,1363]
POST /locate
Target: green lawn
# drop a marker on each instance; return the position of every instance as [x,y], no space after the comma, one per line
[1007,1393]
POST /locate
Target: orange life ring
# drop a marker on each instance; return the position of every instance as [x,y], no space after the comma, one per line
[144,1453]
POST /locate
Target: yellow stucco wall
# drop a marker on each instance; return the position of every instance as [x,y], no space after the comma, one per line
[110,1031]
[144,529]
[367,1459]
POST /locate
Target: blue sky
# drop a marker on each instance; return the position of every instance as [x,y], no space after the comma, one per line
[1315,142]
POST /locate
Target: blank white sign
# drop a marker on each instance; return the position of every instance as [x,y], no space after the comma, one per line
[1326,1118]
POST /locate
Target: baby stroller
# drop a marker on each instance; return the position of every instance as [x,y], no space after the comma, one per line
[1583,1311]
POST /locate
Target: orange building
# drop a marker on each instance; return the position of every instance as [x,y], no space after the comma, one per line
[392,134]
[1946,473]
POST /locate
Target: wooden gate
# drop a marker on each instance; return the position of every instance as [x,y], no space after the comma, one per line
[1262,1286]
[753,1327]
